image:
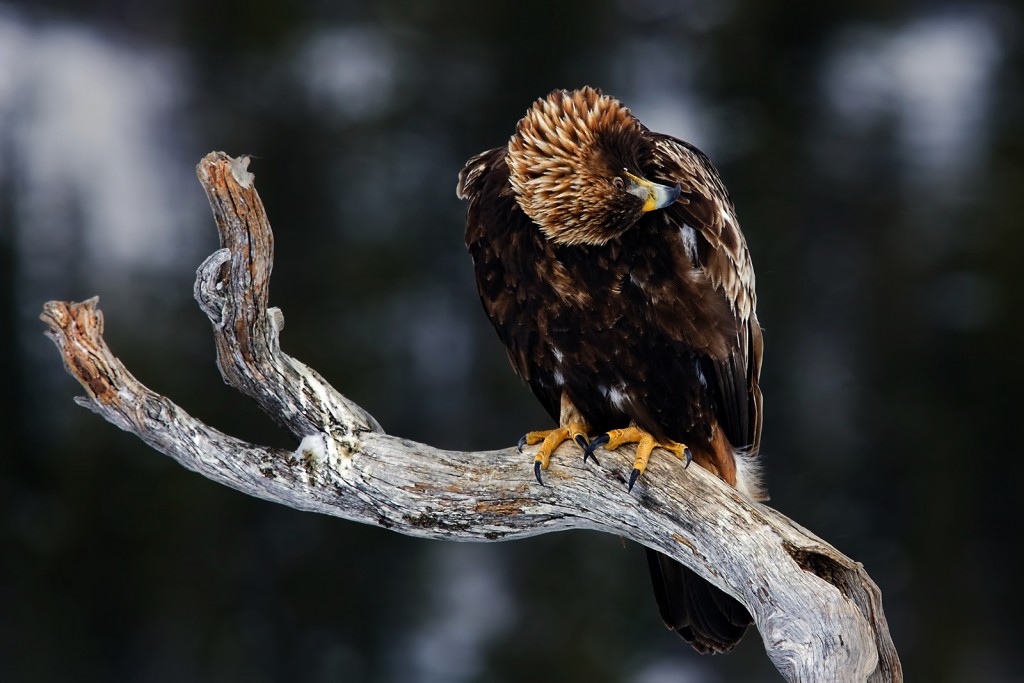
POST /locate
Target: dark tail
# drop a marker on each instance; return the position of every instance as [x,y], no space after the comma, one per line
[708,619]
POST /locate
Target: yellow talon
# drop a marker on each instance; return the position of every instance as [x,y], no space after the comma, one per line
[549,440]
[645,443]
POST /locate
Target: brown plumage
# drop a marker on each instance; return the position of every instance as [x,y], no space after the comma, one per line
[610,262]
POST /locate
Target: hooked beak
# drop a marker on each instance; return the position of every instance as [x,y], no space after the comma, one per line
[654,196]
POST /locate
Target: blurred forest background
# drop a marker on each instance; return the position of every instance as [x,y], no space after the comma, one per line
[874,151]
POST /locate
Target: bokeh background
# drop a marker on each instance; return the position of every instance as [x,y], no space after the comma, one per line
[874,151]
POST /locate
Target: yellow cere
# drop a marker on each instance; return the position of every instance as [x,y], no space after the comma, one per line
[651,198]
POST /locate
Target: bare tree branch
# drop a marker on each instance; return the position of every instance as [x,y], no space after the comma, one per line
[818,612]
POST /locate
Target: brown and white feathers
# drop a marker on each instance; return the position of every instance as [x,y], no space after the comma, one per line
[611,264]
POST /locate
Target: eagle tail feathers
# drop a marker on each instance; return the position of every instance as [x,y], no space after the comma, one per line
[706,617]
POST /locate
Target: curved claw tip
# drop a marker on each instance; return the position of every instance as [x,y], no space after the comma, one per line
[536,472]
[582,441]
[632,479]
[522,442]
[688,454]
[588,452]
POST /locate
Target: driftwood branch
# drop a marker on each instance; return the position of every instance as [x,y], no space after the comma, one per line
[818,612]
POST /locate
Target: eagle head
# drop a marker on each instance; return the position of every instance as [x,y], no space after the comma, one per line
[574,166]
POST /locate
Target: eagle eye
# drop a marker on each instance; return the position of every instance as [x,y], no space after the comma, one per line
[619,183]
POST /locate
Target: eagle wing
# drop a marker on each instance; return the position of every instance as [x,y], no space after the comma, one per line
[707,221]
[707,618]
[493,220]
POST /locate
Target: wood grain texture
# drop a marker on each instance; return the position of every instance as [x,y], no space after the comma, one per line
[818,612]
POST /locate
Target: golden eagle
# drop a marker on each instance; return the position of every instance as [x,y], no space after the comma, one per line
[610,262]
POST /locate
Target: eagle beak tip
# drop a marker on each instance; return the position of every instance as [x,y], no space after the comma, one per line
[664,196]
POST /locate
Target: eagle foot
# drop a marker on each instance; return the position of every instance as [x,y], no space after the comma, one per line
[549,440]
[645,443]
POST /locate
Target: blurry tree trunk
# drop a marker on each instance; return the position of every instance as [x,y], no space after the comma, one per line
[818,612]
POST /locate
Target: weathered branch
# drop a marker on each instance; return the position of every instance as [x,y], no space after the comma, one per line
[819,613]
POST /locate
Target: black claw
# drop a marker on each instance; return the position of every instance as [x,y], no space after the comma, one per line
[536,472]
[688,454]
[632,479]
[522,442]
[582,441]
[588,452]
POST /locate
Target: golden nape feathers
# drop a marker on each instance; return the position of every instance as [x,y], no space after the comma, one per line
[574,163]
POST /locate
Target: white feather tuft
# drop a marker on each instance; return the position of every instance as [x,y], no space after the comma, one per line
[748,475]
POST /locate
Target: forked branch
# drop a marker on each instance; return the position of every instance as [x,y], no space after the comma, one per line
[818,612]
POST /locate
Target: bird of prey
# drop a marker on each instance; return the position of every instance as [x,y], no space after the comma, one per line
[610,262]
